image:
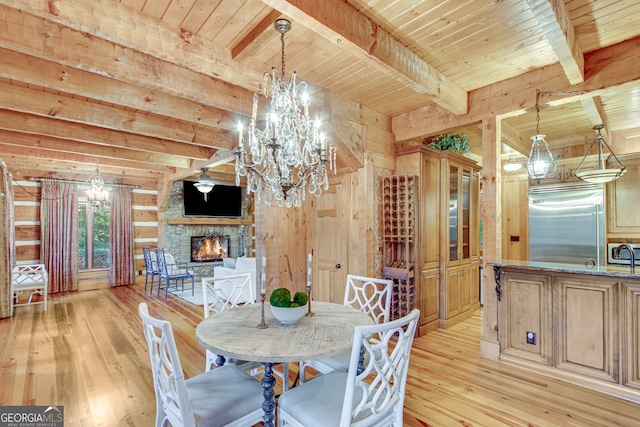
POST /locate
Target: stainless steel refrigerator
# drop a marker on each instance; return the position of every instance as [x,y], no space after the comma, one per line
[566,223]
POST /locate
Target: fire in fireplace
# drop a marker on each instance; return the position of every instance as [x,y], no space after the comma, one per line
[209,248]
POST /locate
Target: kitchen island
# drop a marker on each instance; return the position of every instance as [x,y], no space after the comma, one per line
[579,323]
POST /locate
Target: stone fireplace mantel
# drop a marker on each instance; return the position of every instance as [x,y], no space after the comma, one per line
[179,229]
[209,221]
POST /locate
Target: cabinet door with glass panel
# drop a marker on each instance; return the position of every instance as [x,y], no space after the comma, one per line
[459,212]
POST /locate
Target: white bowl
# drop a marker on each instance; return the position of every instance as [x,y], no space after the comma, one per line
[288,315]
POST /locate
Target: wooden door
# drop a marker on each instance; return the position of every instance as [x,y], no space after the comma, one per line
[330,248]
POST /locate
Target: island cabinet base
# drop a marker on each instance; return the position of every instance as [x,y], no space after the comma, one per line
[581,327]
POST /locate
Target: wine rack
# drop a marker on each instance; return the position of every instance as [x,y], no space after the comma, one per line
[399,236]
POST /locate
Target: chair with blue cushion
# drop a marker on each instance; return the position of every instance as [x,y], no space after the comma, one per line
[172,273]
[370,397]
[225,396]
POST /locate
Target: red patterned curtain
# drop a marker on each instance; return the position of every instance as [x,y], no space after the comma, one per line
[59,235]
[121,237]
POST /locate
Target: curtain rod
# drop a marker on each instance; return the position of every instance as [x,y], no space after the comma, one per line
[70,181]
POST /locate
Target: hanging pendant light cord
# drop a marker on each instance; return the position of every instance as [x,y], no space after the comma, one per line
[537,111]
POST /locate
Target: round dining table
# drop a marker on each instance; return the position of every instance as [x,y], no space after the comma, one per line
[236,333]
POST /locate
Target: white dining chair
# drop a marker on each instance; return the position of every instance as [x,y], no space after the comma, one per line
[367,294]
[223,397]
[32,279]
[230,292]
[371,397]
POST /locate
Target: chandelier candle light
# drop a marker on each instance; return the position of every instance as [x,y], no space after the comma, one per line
[263,292]
[309,312]
[291,153]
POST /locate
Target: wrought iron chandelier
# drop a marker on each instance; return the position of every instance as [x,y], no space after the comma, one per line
[97,195]
[600,173]
[541,162]
[291,153]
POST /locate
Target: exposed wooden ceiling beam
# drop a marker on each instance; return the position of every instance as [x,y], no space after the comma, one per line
[595,111]
[257,37]
[151,161]
[348,140]
[555,22]
[125,27]
[70,80]
[54,160]
[30,124]
[341,23]
[46,104]
[514,140]
[620,61]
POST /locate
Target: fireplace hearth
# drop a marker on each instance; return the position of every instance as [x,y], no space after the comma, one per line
[210,248]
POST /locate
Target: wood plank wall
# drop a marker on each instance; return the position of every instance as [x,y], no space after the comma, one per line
[27,196]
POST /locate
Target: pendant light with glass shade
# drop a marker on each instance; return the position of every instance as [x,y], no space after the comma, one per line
[541,162]
[512,165]
[600,173]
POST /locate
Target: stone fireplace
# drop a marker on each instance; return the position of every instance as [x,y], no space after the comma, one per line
[177,237]
[210,248]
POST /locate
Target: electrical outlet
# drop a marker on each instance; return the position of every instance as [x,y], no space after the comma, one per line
[531,338]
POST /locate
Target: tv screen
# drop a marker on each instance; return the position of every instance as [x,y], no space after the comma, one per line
[222,201]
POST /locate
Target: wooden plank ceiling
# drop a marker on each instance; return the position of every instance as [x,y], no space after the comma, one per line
[153,88]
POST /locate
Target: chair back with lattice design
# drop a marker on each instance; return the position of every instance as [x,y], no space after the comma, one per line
[148,263]
[375,396]
[221,293]
[369,295]
[172,401]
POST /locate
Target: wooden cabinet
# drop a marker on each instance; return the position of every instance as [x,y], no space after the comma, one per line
[526,307]
[630,334]
[460,245]
[448,246]
[623,215]
[587,333]
[578,326]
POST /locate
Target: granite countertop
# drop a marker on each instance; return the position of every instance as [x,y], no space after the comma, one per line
[598,270]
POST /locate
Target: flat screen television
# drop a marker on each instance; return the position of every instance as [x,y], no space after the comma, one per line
[224,201]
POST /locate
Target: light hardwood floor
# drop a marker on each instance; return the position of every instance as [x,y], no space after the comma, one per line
[87,352]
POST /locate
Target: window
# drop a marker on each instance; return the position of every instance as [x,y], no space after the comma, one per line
[93,237]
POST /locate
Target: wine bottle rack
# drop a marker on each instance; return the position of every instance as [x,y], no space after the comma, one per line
[399,215]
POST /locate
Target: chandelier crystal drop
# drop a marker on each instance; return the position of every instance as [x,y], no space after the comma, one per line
[97,195]
[291,154]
